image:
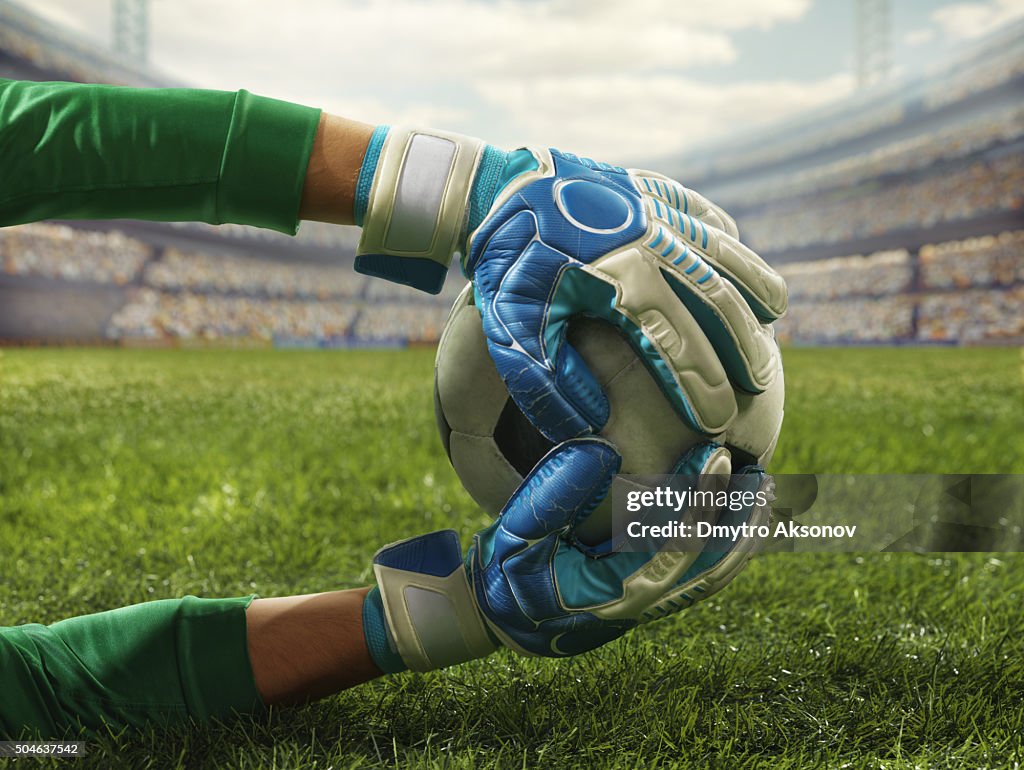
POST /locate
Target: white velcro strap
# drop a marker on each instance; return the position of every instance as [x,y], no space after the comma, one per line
[434,621]
[420,195]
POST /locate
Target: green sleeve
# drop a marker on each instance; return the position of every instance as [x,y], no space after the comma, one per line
[158,663]
[72,151]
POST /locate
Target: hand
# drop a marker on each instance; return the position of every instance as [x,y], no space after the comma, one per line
[526,585]
[546,236]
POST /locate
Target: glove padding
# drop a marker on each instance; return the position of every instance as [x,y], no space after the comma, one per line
[550,236]
[640,251]
[525,584]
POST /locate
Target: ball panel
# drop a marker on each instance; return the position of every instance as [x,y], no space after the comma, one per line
[471,394]
[488,477]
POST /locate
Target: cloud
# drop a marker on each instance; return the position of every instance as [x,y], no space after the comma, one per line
[916,37]
[967,21]
[628,119]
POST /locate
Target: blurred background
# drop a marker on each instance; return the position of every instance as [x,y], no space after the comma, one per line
[871,150]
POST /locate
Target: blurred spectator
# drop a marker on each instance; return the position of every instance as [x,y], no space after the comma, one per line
[988,261]
[980,187]
[257,277]
[970,135]
[58,251]
[886,272]
[420,323]
[972,316]
[864,319]
[153,314]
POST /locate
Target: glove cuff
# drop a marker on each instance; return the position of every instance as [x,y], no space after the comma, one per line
[430,613]
[378,639]
[412,199]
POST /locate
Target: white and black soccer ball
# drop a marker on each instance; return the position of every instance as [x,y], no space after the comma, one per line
[492,445]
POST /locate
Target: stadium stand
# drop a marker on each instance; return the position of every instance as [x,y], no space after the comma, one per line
[895,216]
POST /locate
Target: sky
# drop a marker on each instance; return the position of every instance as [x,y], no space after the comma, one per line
[621,80]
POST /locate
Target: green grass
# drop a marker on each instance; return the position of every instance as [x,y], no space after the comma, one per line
[127,476]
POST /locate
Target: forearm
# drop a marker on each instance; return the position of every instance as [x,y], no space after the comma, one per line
[305,647]
[333,172]
[72,151]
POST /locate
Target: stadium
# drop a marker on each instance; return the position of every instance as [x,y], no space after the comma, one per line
[213,410]
[896,218]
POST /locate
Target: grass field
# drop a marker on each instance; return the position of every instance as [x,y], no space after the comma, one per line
[127,476]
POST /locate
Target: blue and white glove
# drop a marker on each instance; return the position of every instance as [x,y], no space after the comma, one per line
[546,235]
[526,585]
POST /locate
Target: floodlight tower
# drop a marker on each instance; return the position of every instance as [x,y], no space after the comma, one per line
[874,41]
[131,30]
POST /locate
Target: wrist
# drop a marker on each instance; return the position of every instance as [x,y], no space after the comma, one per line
[419,194]
[423,614]
[378,638]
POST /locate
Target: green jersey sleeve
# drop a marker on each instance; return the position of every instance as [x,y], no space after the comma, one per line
[74,151]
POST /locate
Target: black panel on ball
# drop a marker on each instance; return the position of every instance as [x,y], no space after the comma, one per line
[518,441]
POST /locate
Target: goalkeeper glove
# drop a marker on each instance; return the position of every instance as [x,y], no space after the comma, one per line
[545,235]
[526,585]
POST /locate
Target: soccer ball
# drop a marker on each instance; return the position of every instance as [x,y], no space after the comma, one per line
[492,445]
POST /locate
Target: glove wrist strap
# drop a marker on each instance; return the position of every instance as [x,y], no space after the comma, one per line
[417,204]
[431,612]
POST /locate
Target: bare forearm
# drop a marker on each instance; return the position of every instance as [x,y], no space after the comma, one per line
[329,191]
[306,647]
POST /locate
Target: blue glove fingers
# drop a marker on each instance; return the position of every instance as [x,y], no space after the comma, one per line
[536,393]
[550,384]
[577,384]
[565,486]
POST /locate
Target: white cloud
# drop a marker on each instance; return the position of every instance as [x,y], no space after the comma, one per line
[916,37]
[967,21]
[627,119]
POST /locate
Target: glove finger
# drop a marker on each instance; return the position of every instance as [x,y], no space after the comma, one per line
[745,347]
[565,486]
[632,295]
[683,200]
[723,557]
[763,289]
[547,379]
[551,399]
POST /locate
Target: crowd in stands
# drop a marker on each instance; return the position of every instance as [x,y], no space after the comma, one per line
[152,314]
[1001,60]
[801,142]
[972,316]
[987,261]
[231,274]
[415,323]
[966,192]
[862,319]
[885,272]
[965,291]
[58,251]
[970,135]
[968,290]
